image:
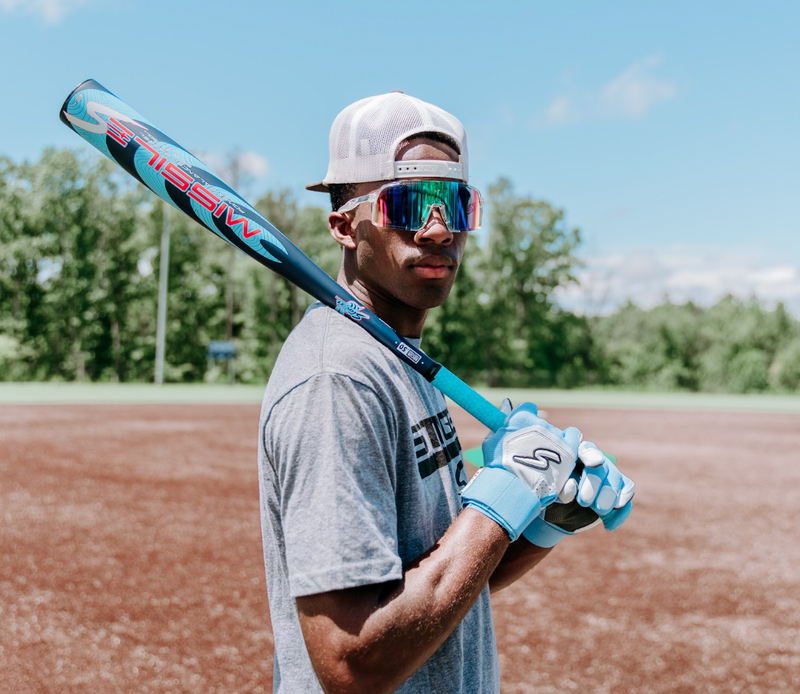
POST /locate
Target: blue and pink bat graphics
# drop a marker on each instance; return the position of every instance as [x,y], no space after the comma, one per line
[177,176]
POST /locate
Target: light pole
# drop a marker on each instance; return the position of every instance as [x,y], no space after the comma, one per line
[161,326]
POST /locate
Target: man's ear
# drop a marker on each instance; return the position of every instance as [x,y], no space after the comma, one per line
[339,224]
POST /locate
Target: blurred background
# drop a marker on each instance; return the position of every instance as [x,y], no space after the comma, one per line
[639,162]
[639,265]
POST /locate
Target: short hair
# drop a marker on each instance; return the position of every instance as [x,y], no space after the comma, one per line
[434,136]
[342,192]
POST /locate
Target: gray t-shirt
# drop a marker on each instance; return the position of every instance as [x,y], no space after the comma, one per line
[359,472]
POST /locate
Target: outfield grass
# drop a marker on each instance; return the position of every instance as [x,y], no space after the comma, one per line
[600,398]
[88,393]
[94,393]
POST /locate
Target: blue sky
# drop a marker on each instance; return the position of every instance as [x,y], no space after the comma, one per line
[666,131]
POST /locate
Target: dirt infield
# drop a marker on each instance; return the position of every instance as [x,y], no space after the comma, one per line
[132,560]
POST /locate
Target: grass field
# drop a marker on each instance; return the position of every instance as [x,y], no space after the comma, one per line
[95,393]
[132,557]
[121,393]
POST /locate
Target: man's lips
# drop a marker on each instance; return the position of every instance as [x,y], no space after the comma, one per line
[433,267]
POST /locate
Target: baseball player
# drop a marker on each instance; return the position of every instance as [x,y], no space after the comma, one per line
[379,554]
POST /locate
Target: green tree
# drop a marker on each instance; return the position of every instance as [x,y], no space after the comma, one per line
[196,298]
[734,346]
[18,290]
[271,306]
[69,259]
[785,371]
[657,349]
[530,253]
[743,340]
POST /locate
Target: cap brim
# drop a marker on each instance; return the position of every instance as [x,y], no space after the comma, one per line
[318,187]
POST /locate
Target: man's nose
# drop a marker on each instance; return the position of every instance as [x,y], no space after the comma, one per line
[435,230]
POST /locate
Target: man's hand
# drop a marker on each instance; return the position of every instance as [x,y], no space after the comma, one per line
[603,488]
[558,521]
[527,463]
[597,491]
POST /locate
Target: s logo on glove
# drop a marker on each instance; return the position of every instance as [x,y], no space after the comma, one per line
[527,463]
[540,460]
[539,454]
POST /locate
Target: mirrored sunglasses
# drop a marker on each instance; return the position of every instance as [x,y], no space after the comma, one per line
[408,204]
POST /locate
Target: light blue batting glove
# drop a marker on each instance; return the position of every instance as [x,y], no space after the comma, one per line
[527,462]
[558,521]
[603,488]
[595,487]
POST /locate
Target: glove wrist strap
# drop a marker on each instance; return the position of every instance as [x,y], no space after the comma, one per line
[503,497]
[544,534]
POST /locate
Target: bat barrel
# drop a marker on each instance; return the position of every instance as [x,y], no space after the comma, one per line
[177,176]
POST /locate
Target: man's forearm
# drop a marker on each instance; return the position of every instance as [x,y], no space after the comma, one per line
[373,638]
[520,557]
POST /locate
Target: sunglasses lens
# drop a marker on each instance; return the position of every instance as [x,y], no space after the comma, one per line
[397,207]
[408,204]
[467,209]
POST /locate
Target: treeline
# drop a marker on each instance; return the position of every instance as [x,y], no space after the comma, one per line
[734,346]
[79,242]
[503,327]
[79,250]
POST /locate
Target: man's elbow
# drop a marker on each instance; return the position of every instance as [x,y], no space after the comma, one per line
[346,670]
[349,655]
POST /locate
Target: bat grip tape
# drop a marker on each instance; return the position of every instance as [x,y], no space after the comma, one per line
[474,403]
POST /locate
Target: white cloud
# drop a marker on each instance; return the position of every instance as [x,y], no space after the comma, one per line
[631,94]
[253,164]
[635,91]
[249,164]
[701,275]
[561,111]
[51,11]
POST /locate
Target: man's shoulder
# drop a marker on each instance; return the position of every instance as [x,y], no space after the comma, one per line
[323,322]
[327,343]
[328,340]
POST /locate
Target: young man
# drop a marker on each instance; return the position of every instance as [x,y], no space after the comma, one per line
[379,555]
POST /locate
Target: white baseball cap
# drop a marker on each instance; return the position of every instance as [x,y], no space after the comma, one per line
[365,136]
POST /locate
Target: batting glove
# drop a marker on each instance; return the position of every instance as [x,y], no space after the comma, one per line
[558,521]
[596,492]
[527,462]
[603,488]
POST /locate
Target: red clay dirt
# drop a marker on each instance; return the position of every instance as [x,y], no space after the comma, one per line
[132,557]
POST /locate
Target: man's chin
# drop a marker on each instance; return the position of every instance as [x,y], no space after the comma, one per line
[430,298]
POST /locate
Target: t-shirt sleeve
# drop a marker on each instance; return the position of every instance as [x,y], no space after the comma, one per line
[331,442]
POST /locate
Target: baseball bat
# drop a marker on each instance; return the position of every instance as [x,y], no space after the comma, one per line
[177,176]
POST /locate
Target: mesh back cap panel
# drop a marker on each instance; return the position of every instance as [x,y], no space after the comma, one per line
[365,136]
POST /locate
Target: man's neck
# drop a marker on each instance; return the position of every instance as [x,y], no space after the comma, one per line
[405,320]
